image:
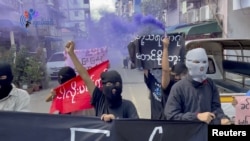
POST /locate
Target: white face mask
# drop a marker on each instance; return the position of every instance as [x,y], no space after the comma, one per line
[197,64]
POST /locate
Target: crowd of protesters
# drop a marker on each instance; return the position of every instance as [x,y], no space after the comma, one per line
[180,92]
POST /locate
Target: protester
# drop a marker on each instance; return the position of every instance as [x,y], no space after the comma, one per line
[108,102]
[65,74]
[160,81]
[170,76]
[196,97]
[11,98]
[125,63]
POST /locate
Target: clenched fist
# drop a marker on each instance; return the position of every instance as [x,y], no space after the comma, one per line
[70,46]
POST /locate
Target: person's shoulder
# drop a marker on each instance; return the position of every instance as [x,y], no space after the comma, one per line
[180,82]
[210,80]
[97,91]
[19,93]
[127,102]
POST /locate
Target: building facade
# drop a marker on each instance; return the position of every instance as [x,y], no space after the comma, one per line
[126,8]
[77,14]
[196,18]
[45,29]
[230,17]
[236,18]
[11,33]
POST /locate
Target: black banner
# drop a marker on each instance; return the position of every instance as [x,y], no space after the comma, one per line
[45,127]
[146,51]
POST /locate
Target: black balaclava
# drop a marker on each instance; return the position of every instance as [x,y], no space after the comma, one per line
[5,84]
[65,74]
[113,100]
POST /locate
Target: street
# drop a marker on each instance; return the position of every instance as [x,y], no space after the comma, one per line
[134,89]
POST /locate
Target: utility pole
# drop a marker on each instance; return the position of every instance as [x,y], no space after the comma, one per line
[34,7]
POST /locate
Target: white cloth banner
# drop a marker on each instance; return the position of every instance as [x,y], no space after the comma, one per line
[89,57]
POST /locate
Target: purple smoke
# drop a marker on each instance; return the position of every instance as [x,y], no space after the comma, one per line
[148,20]
[116,32]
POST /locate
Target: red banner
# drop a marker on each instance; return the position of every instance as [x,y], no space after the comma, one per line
[73,95]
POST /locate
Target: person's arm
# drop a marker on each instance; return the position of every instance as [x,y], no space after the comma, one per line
[234,102]
[216,105]
[173,108]
[82,71]
[51,96]
[145,73]
[165,64]
[147,80]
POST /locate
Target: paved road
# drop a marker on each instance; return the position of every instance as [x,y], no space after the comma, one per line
[134,89]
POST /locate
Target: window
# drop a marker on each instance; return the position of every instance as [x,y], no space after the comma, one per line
[76,13]
[57,57]
[86,1]
[211,66]
[172,5]
[77,25]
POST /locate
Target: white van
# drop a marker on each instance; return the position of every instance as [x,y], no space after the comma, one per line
[55,63]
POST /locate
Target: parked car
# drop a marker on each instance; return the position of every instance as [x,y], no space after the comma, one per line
[55,63]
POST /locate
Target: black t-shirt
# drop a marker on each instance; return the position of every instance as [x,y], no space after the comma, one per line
[166,92]
[157,99]
[155,96]
[126,110]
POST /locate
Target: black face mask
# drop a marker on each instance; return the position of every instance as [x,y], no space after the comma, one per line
[112,100]
[5,84]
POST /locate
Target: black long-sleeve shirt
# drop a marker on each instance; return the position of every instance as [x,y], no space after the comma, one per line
[188,97]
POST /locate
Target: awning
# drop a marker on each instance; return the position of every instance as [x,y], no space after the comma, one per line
[174,27]
[202,28]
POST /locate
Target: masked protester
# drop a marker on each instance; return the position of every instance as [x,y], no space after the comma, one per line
[108,102]
[196,97]
[11,98]
[178,72]
[160,81]
[65,74]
